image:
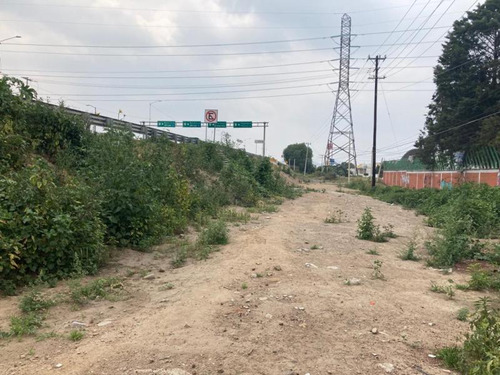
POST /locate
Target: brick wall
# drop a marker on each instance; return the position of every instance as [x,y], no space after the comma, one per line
[440,179]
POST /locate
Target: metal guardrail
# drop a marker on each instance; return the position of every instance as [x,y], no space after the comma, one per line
[110,123]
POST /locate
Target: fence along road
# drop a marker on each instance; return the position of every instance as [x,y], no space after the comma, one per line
[109,123]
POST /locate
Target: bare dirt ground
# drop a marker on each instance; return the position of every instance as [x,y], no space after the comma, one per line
[291,319]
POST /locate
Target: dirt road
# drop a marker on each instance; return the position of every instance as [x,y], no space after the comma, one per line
[291,318]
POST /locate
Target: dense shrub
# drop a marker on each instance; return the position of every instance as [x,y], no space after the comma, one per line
[480,353]
[49,224]
[477,203]
[66,193]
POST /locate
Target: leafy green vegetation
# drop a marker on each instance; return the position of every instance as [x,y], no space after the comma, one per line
[367,230]
[34,302]
[76,335]
[467,89]
[336,218]
[463,314]
[409,253]
[104,288]
[297,155]
[444,289]
[480,353]
[67,194]
[461,214]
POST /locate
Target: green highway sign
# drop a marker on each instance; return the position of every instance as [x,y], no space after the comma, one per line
[191,124]
[242,124]
[218,124]
[166,124]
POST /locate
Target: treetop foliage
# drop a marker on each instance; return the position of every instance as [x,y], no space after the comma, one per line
[468,88]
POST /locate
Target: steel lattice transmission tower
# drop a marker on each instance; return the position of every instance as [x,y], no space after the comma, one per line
[341,137]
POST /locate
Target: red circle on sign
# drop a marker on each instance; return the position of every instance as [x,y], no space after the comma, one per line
[211,116]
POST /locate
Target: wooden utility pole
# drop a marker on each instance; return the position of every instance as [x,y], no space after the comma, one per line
[374,149]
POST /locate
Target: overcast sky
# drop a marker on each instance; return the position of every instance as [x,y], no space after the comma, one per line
[150,55]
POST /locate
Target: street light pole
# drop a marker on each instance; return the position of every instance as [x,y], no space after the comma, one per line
[307,155]
[4,40]
[150,104]
[95,113]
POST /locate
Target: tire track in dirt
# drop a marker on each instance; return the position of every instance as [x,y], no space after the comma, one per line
[290,319]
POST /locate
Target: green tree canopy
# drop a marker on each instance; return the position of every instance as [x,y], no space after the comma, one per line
[298,152]
[468,88]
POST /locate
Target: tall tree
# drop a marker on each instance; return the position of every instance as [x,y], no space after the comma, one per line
[468,87]
[298,152]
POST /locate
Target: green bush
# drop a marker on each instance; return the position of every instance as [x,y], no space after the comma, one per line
[480,353]
[66,193]
[366,225]
[452,244]
[215,234]
[49,225]
[477,203]
[34,302]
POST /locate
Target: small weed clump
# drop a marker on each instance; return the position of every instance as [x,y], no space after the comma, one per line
[481,279]
[26,324]
[373,252]
[76,335]
[480,353]
[34,303]
[367,230]
[409,253]
[233,216]
[166,286]
[377,270]
[452,244]
[105,288]
[336,218]
[215,234]
[463,314]
[444,289]
[263,208]
[244,286]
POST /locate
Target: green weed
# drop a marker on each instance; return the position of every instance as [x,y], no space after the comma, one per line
[215,234]
[409,253]
[367,230]
[373,252]
[76,335]
[26,324]
[34,302]
[444,289]
[480,353]
[377,270]
[463,314]
[336,218]
[105,288]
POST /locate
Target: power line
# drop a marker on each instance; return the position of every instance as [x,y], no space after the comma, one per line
[17,3]
[442,36]
[179,77]
[52,45]
[169,55]
[169,87]
[173,46]
[388,37]
[198,93]
[185,70]
[215,99]
[427,33]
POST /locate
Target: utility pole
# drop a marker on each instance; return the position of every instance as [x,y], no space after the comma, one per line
[264,141]
[374,149]
[307,155]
